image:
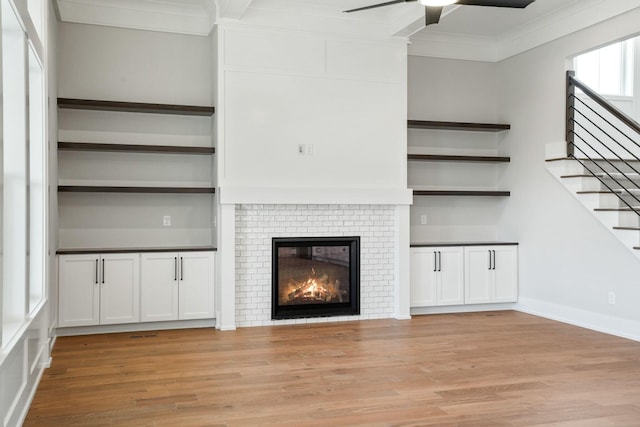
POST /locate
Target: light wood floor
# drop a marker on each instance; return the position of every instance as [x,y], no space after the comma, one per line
[483,369]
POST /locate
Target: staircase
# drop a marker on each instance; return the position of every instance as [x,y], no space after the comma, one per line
[602,165]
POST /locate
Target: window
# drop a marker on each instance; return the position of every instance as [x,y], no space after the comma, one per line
[608,70]
[14,235]
[36,189]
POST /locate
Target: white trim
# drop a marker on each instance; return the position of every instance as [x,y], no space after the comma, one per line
[233,9]
[138,15]
[32,394]
[599,322]
[135,327]
[450,309]
[313,196]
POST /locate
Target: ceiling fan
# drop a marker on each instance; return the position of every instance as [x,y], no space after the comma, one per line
[433,8]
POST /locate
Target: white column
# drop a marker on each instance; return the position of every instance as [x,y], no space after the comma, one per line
[226,268]
[402,249]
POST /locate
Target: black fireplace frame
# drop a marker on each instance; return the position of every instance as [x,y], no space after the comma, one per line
[317,310]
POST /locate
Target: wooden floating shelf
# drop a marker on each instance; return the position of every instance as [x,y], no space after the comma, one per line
[79,251]
[461,193]
[146,190]
[448,158]
[625,209]
[135,107]
[134,148]
[477,127]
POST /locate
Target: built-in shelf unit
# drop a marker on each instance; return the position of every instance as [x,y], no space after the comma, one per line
[135,177]
[459,160]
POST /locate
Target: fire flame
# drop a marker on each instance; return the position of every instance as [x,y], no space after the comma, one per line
[315,289]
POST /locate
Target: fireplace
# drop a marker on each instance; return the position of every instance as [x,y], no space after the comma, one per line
[315,277]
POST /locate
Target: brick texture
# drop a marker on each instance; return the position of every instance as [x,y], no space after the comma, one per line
[256,225]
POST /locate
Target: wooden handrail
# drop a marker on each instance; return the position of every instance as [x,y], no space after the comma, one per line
[571,79]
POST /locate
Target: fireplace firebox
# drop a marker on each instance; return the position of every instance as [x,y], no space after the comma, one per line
[315,276]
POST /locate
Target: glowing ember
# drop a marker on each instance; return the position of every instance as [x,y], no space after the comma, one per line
[315,289]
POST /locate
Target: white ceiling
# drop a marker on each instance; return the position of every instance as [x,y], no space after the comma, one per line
[495,21]
[464,32]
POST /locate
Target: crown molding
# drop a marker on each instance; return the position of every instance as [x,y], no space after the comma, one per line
[194,18]
[576,16]
[232,9]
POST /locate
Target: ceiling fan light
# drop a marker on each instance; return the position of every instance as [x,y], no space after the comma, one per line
[437,2]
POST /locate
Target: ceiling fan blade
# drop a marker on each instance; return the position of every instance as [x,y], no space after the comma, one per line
[520,4]
[373,6]
[432,14]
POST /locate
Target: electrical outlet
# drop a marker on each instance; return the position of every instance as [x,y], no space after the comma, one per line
[302,149]
[309,150]
[166,221]
[423,219]
[612,298]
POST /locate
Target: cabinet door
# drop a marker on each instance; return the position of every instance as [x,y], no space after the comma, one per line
[79,290]
[159,287]
[451,276]
[478,274]
[196,277]
[120,289]
[423,277]
[505,288]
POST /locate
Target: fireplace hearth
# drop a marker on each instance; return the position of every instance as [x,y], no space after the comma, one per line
[315,277]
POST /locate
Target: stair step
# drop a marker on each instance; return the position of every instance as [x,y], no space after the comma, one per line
[618,175]
[615,191]
[556,159]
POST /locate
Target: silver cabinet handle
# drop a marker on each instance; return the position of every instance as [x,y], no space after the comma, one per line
[439,261]
[181,268]
[435,261]
[97,268]
[494,259]
[175,268]
[489,259]
[103,270]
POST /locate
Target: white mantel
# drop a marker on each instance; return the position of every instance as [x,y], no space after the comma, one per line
[311,196]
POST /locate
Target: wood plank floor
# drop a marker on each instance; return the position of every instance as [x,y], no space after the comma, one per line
[481,369]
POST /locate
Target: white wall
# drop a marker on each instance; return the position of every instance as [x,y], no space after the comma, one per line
[568,261]
[117,64]
[344,99]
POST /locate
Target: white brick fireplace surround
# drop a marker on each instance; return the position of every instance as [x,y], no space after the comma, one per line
[257,224]
[249,220]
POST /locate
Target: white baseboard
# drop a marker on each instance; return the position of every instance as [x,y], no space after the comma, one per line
[474,308]
[611,325]
[136,327]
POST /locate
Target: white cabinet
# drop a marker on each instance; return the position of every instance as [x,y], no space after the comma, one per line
[99,289]
[177,286]
[437,276]
[456,275]
[79,290]
[491,274]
